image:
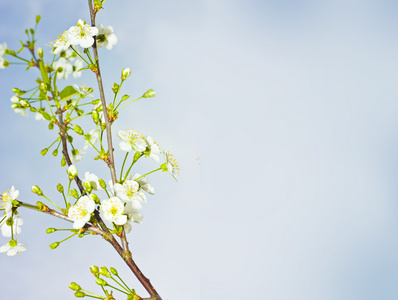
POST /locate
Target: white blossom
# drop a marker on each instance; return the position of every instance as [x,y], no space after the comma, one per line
[106,37]
[7,198]
[92,179]
[62,43]
[112,210]
[92,136]
[12,248]
[132,140]
[129,192]
[80,213]
[6,227]
[66,66]
[82,34]
[144,183]
[171,164]
[153,147]
[19,105]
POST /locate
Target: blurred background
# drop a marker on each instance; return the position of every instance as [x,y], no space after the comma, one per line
[291,107]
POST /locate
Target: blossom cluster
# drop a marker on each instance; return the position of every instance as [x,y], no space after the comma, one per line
[10,223]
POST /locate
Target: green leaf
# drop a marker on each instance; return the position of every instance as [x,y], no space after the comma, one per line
[46,115]
[43,72]
[67,93]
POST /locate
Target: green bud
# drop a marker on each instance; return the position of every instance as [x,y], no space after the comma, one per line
[36,190]
[38,18]
[95,198]
[63,161]
[126,72]
[95,102]
[94,269]
[55,152]
[51,125]
[115,87]
[60,188]
[70,139]
[80,294]
[54,245]
[104,271]
[40,52]
[44,151]
[74,193]
[72,171]
[40,205]
[43,87]
[78,130]
[50,230]
[149,94]
[74,286]
[102,183]
[95,116]
[125,97]
[87,186]
[101,282]
[12,243]
[6,63]
[114,271]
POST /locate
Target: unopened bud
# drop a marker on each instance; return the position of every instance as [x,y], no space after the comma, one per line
[43,87]
[126,72]
[74,286]
[87,186]
[104,271]
[74,193]
[38,18]
[149,94]
[51,125]
[94,269]
[44,151]
[125,97]
[72,171]
[50,230]
[80,294]
[55,152]
[101,282]
[95,116]
[95,198]
[60,188]
[40,52]
[102,183]
[78,130]
[63,162]
[36,190]
[115,88]
[114,271]
[54,245]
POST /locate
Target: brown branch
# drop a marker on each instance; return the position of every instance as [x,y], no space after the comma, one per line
[124,252]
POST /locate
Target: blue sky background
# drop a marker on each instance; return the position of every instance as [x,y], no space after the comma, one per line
[292,107]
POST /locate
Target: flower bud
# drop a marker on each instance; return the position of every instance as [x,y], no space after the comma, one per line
[102,183]
[43,87]
[125,97]
[74,193]
[126,72]
[95,198]
[60,188]
[36,190]
[44,151]
[50,230]
[70,139]
[114,271]
[101,282]
[74,286]
[104,271]
[6,63]
[94,269]
[38,18]
[87,186]
[115,87]
[149,94]
[40,52]
[55,152]
[80,294]
[63,161]
[78,130]
[95,116]
[72,171]
[54,245]
[51,125]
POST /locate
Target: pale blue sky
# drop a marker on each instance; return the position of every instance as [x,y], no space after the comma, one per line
[292,107]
